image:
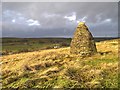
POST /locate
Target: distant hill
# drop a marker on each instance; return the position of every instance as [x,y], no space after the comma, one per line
[96,38]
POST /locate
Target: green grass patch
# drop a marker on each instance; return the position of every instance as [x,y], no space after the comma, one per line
[19,45]
[99,61]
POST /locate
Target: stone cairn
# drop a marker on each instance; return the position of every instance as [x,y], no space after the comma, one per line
[82,43]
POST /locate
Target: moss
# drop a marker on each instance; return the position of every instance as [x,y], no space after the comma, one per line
[18,84]
[110,80]
[46,84]
[96,62]
[66,83]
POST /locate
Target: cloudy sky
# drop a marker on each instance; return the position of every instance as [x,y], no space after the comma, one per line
[42,19]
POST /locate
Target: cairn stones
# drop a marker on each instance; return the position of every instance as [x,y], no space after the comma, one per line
[82,43]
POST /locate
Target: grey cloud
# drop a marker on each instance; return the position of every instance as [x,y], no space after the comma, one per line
[52,21]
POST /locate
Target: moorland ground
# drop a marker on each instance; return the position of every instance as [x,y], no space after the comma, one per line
[20,45]
[57,68]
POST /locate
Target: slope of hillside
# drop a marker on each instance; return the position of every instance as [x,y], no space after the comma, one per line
[56,68]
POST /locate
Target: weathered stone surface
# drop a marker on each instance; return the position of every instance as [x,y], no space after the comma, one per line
[82,43]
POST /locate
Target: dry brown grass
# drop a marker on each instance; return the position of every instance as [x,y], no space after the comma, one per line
[48,68]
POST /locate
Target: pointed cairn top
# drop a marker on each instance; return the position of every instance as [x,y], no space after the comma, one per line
[81,23]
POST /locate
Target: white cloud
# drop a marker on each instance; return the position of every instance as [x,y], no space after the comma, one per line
[78,21]
[71,18]
[13,20]
[32,22]
[103,22]
[82,19]
[98,17]
[46,15]
[108,20]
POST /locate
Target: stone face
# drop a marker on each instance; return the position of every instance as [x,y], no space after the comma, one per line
[82,43]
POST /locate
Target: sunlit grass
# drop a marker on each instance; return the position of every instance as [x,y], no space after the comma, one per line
[57,68]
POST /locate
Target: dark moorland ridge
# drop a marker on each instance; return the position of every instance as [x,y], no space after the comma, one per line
[12,45]
[97,39]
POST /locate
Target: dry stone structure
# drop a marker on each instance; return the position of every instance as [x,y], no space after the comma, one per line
[82,43]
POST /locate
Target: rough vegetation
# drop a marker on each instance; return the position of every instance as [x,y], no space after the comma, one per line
[57,68]
[20,45]
[82,43]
